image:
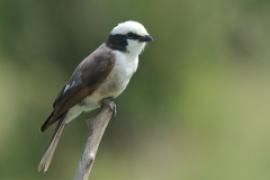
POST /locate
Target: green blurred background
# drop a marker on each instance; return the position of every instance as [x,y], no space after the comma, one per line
[197,109]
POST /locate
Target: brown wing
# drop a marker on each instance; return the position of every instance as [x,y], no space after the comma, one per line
[89,74]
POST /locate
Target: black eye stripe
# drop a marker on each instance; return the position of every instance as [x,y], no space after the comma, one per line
[131,35]
[119,41]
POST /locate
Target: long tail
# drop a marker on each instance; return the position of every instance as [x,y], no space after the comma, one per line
[47,157]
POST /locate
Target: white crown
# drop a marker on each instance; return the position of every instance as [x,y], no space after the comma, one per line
[130,26]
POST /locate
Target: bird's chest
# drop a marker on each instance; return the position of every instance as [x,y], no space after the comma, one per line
[119,77]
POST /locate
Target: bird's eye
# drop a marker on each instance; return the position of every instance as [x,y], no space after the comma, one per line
[131,35]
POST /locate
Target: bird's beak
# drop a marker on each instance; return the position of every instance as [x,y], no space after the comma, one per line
[147,38]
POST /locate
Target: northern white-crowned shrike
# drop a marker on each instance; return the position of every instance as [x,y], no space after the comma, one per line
[103,74]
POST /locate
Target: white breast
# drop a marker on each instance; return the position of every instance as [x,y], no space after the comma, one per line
[118,79]
[125,66]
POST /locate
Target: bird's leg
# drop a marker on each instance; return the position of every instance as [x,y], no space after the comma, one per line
[111,104]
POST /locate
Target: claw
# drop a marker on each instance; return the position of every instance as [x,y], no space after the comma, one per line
[111,104]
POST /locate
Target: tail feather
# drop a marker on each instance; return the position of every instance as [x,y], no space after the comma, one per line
[47,157]
[52,118]
[46,124]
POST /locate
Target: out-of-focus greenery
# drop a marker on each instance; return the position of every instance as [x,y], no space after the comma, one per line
[197,109]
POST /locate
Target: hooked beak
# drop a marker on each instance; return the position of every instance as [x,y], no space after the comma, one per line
[146,38]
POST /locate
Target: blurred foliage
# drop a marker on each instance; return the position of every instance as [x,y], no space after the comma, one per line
[198,107]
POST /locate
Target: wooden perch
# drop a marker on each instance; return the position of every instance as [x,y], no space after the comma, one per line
[97,129]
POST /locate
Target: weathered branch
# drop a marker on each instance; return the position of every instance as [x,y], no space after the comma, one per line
[97,128]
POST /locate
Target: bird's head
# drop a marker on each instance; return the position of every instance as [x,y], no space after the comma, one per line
[130,37]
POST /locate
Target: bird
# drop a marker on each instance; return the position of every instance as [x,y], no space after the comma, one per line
[99,78]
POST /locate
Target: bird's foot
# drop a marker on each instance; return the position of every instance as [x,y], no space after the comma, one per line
[111,104]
